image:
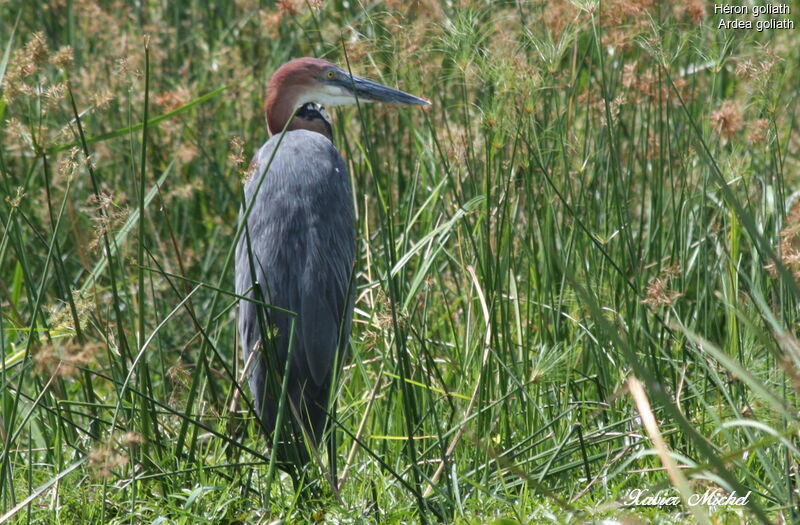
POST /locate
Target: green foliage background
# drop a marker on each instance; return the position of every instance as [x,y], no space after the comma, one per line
[577,270]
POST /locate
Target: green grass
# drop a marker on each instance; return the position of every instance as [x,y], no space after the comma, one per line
[576,271]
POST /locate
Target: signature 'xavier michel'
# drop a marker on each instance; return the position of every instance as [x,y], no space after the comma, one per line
[297,250]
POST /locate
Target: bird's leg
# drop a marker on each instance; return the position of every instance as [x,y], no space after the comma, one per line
[332,447]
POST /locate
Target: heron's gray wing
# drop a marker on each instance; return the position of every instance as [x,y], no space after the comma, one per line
[326,309]
[302,234]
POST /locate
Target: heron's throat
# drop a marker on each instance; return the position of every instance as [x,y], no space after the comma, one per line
[313,117]
[310,116]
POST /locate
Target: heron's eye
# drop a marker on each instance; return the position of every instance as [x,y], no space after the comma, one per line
[331,74]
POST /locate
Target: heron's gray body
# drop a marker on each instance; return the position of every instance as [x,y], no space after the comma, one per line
[301,232]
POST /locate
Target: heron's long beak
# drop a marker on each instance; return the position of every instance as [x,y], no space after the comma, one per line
[372,91]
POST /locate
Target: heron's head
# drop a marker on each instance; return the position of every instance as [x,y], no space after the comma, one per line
[309,84]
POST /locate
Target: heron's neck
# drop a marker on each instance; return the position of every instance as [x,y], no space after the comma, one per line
[278,110]
[310,116]
[313,117]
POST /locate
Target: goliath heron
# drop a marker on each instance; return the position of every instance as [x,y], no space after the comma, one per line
[297,249]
